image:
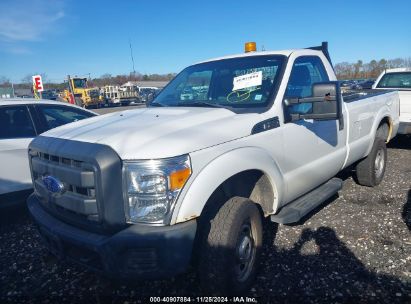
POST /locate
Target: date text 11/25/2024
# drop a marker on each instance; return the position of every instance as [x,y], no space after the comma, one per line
[203,300]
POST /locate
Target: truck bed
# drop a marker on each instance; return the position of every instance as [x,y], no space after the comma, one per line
[365,110]
[355,95]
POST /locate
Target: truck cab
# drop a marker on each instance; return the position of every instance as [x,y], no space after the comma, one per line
[227,144]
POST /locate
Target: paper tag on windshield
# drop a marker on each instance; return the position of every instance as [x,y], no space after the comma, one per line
[248,80]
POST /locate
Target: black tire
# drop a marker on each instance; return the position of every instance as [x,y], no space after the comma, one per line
[370,171]
[231,248]
[382,132]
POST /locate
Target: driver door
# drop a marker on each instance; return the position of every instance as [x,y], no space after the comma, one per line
[314,149]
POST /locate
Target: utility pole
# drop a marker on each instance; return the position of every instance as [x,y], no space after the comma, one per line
[132,58]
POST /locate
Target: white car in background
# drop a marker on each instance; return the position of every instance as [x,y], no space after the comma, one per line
[20,121]
[399,80]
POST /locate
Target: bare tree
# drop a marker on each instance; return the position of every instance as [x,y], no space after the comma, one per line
[105,76]
[358,68]
[28,78]
[372,69]
[4,80]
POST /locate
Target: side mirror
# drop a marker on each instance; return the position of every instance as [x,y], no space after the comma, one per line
[324,104]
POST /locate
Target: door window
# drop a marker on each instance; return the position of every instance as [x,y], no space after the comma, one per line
[306,71]
[55,116]
[15,122]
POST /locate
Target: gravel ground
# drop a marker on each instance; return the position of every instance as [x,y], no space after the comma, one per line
[356,248]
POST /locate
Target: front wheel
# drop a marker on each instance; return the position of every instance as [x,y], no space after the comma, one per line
[230,251]
[370,171]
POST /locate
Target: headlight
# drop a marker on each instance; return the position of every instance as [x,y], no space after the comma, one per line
[152,187]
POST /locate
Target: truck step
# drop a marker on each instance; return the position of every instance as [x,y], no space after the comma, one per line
[296,210]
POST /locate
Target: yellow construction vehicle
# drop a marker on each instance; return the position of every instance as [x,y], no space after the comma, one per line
[79,94]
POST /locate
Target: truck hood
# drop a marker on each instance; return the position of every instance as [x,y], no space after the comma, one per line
[159,132]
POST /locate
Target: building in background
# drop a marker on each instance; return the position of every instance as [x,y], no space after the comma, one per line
[147,83]
[6,92]
[24,93]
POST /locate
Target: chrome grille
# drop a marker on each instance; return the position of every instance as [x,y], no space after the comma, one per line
[57,159]
[78,178]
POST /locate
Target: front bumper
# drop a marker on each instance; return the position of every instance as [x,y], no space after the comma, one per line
[404,128]
[139,251]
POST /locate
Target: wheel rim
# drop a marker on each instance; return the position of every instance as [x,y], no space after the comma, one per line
[379,163]
[245,252]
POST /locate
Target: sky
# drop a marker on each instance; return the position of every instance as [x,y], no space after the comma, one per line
[78,37]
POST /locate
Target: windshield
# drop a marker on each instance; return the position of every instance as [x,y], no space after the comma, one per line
[246,82]
[396,80]
[80,83]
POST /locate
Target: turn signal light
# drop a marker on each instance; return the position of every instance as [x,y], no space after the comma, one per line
[179,178]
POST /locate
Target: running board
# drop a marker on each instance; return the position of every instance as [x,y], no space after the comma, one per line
[296,210]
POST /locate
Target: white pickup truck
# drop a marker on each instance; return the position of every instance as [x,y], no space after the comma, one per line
[400,80]
[188,181]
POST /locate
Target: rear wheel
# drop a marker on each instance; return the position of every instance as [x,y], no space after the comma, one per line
[382,132]
[370,171]
[230,250]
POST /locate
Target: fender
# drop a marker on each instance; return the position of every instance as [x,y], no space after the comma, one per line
[384,112]
[219,170]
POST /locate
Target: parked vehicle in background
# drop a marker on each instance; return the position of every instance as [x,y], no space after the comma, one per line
[20,121]
[7,92]
[80,94]
[400,80]
[128,93]
[357,81]
[227,143]
[346,83]
[122,95]
[111,94]
[147,94]
[363,85]
[49,95]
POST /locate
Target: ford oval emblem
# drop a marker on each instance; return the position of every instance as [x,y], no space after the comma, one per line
[53,185]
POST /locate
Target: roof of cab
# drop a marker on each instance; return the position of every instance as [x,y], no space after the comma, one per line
[397,70]
[286,53]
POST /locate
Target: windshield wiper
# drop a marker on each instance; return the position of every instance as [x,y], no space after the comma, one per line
[203,104]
